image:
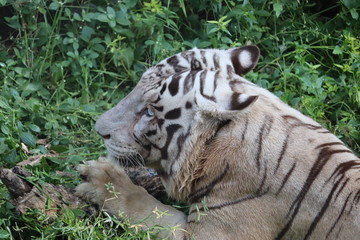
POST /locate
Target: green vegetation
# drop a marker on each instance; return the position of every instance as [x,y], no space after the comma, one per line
[62,63]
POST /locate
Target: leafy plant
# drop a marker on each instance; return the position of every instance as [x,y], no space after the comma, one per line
[62,63]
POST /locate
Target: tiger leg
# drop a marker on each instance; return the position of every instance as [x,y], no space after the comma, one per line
[258,218]
[110,187]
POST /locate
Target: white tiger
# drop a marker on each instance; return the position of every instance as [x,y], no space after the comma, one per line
[250,166]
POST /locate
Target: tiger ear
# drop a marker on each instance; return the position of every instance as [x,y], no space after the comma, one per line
[244,59]
[227,104]
[235,102]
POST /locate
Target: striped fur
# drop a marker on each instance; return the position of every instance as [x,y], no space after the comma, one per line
[250,166]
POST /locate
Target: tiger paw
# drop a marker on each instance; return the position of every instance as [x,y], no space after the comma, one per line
[105,184]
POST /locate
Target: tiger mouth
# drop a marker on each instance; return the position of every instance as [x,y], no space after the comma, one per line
[125,157]
[134,160]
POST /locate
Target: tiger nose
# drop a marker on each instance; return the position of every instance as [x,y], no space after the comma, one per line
[102,127]
[104,136]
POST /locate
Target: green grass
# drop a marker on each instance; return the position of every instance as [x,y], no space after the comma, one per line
[62,63]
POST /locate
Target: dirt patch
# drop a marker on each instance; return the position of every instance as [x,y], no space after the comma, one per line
[52,199]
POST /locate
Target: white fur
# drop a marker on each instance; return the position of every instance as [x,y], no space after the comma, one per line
[243,98]
[245,59]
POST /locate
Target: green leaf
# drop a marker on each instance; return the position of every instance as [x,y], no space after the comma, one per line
[59,148]
[90,107]
[354,13]
[110,12]
[337,50]
[149,42]
[212,30]
[226,40]
[130,3]
[351,3]
[11,156]
[103,18]
[3,146]
[127,56]
[13,22]
[73,119]
[4,234]
[54,6]
[278,8]
[122,18]
[42,10]
[4,105]
[263,13]
[30,88]
[34,128]
[98,47]
[77,17]
[14,93]
[28,139]
[5,129]
[86,33]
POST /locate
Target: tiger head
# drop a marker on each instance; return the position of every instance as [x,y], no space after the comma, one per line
[177,106]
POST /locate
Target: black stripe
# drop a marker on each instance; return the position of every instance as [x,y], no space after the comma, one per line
[339,217]
[159,108]
[163,89]
[150,133]
[188,105]
[322,211]
[207,142]
[218,128]
[283,149]
[245,129]
[226,204]
[329,144]
[188,55]
[153,86]
[158,99]
[174,84]
[286,178]
[216,61]
[170,130]
[174,62]
[235,103]
[341,188]
[202,86]
[262,183]
[189,81]
[264,131]
[173,114]
[216,79]
[324,155]
[325,131]
[195,65]
[230,70]
[203,58]
[162,173]
[248,197]
[181,140]
[357,198]
[160,122]
[204,191]
[342,168]
[296,122]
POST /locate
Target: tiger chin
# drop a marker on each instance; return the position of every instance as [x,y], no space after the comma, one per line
[248,165]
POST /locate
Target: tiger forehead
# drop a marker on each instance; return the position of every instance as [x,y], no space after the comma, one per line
[191,60]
